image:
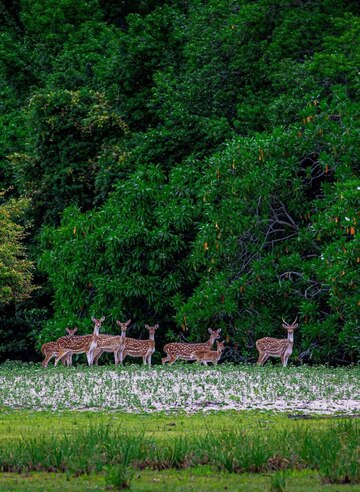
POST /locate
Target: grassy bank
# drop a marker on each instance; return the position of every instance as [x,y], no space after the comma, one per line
[331,449]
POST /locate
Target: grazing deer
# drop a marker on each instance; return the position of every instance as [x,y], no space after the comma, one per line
[80,344]
[184,351]
[277,347]
[206,356]
[138,348]
[51,349]
[111,343]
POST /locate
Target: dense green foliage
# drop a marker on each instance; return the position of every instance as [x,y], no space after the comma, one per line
[194,164]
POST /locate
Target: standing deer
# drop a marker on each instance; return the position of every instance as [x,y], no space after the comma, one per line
[138,348]
[277,347]
[206,356]
[184,351]
[80,344]
[51,349]
[111,343]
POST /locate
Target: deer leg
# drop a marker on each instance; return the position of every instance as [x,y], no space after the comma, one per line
[149,358]
[45,362]
[263,357]
[90,357]
[120,356]
[284,360]
[68,359]
[116,357]
[61,354]
[173,359]
[97,354]
[166,359]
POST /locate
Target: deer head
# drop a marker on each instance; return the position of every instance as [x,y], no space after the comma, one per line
[290,327]
[215,334]
[152,329]
[123,326]
[220,346]
[71,332]
[98,323]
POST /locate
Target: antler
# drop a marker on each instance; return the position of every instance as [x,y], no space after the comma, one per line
[287,324]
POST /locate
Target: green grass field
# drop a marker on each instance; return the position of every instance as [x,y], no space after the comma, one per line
[200,479]
[172,449]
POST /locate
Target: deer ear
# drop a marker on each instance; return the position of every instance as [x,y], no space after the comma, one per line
[209,330]
[128,322]
[295,326]
[93,319]
[147,327]
[219,330]
[67,330]
[102,319]
[156,327]
[75,329]
[118,322]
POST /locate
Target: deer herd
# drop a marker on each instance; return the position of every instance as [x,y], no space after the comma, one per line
[94,345]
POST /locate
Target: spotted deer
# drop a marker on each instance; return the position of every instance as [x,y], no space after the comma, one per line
[138,348]
[277,347]
[80,344]
[51,349]
[184,351]
[206,356]
[111,343]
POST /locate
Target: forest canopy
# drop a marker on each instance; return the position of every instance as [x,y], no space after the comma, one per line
[188,163]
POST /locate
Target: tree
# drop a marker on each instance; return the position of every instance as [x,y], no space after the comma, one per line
[15,268]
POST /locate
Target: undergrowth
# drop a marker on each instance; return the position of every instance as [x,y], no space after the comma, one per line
[332,451]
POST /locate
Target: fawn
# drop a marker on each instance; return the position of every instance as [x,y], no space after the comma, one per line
[51,349]
[184,351]
[206,356]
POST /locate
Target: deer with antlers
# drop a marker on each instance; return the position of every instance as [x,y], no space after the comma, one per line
[51,349]
[111,343]
[277,347]
[80,344]
[138,348]
[184,351]
[205,356]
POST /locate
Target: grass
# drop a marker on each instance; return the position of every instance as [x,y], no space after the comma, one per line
[332,450]
[16,425]
[199,479]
